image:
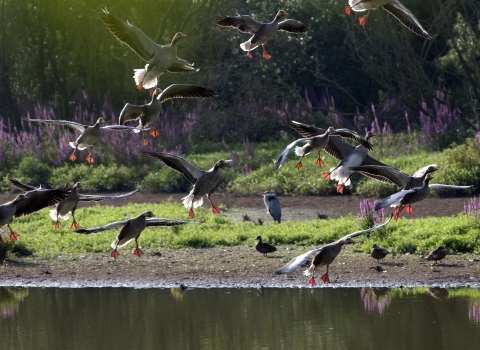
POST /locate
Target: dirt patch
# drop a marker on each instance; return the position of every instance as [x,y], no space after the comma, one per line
[243,266]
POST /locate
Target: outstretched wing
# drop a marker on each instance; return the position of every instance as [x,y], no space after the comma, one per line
[22,186]
[405,17]
[394,198]
[386,174]
[130,35]
[243,23]
[169,222]
[282,156]
[191,172]
[184,91]
[39,199]
[358,233]
[298,261]
[433,186]
[293,26]
[131,112]
[112,226]
[76,126]
[97,198]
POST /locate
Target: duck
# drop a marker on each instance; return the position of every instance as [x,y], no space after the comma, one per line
[159,58]
[405,198]
[324,256]
[28,203]
[148,113]
[273,206]
[203,181]
[394,176]
[261,32]
[264,248]
[394,7]
[89,135]
[131,229]
[436,255]
[316,143]
[378,253]
[343,171]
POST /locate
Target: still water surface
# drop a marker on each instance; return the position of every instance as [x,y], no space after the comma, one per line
[122,318]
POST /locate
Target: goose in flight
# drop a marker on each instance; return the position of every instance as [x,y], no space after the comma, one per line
[147,114]
[159,58]
[261,32]
[395,8]
[325,256]
[203,181]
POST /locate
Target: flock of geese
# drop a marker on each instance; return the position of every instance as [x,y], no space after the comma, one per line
[163,58]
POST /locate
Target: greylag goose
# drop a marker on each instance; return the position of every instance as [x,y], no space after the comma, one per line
[28,203]
[69,204]
[159,58]
[394,176]
[318,142]
[395,8]
[436,255]
[89,135]
[147,114]
[325,255]
[378,253]
[273,206]
[405,198]
[343,170]
[203,181]
[131,229]
[264,248]
[262,32]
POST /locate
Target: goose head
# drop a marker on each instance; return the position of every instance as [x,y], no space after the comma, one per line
[148,214]
[177,37]
[100,121]
[280,14]
[222,163]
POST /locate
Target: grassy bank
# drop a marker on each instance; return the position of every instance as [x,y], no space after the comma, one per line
[458,234]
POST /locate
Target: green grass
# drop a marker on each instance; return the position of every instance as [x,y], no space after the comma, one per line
[458,234]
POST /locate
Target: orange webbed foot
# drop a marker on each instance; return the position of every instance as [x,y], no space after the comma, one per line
[340,188]
[312,282]
[138,252]
[73,157]
[325,278]
[145,142]
[409,208]
[348,10]
[319,162]
[115,254]
[249,55]
[140,86]
[191,213]
[154,132]
[363,20]
[14,236]
[326,176]
[267,56]
[58,224]
[396,213]
[90,159]
[151,91]
[216,210]
[75,225]
[299,165]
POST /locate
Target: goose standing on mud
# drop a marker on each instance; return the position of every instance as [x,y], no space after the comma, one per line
[203,181]
[436,255]
[131,229]
[262,32]
[405,198]
[394,176]
[343,171]
[147,114]
[89,134]
[159,58]
[395,8]
[273,206]
[325,256]
[264,248]
[318,142]
[378,253]
[28,203]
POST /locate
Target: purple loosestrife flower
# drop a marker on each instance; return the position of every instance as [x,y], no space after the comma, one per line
[372,302]
[474,312]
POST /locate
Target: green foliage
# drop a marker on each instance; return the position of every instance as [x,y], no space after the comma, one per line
[33,172]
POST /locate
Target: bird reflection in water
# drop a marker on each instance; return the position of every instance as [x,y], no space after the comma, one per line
[178,292]
[375,299]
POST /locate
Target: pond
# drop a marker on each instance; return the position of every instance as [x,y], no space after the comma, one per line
[320,318]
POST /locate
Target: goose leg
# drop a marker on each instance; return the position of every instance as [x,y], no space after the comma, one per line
[299,164]
[137,250]
[144,140]
[249,55]
[216,210]
[90,159]
[326,176]
[74,225]
[13,235]
[191,213]
[408,209]
[348,10]
[325,278]
[265,53]
[154,132]
[115,253]
[311,281]
[58,223]
[319,160]
[396,212]
[363,20]
[73,157]
[340,188]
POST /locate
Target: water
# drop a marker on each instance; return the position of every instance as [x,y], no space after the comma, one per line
[326,318]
